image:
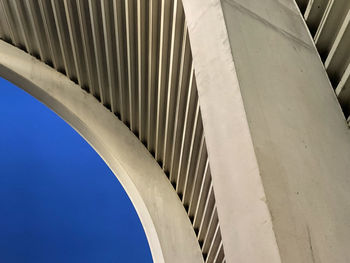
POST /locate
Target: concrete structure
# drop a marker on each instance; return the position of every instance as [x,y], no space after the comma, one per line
[217,117]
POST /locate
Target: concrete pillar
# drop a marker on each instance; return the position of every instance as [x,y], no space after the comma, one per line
[265,57]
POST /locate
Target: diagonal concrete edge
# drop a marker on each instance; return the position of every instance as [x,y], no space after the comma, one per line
[244,217]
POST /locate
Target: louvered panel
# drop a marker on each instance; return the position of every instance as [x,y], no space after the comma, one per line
[343,92]
[63,39]
[192,109]
[201,169]
[313,14]
[202,198]
[332,39]
[177,49]
[33,26]
[130,33]
[10,17]
[166,21]
[41,28]
[26,31]
[2,31]
[119,24]
[205,237]
[111,58]
[195,147]
[339,56]
[210,254]
[5,31]
[184,98]
[142,60]
[154,20]
[219,257]
[207,215]
[302,4]
[210,233]
[75,42]
[179,99]
[87,61]
[99,50]
[51,35]
[328,29]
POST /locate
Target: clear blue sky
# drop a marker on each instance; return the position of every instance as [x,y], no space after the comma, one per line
[59,202]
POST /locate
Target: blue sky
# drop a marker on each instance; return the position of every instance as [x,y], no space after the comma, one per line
[59,202]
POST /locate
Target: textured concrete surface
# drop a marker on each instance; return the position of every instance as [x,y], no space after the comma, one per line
[299,133]
[245,221]
[278,142]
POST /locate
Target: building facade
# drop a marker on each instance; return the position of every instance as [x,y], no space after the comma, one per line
[225,121]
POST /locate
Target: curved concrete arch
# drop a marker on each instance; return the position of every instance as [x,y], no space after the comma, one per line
[166,224]
[135,58]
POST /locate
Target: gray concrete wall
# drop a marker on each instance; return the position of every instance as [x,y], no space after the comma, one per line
[300,136]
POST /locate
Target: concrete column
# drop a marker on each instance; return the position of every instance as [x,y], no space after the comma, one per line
[300,136]
[296,150]
[244,217]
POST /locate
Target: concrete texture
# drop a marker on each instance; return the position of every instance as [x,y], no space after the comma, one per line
[245,221]
[300,136]
[278,142]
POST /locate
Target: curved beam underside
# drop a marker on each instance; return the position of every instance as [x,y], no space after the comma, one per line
[168,229]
